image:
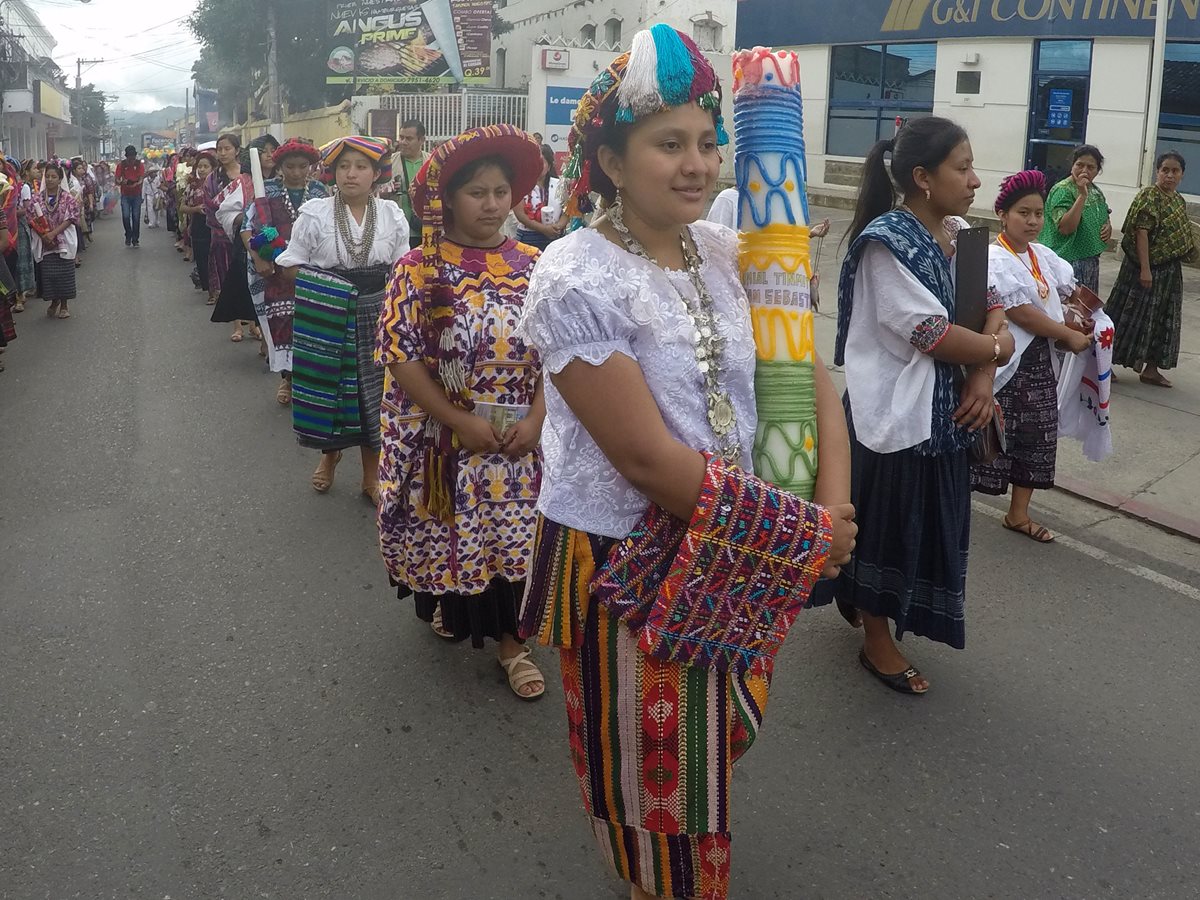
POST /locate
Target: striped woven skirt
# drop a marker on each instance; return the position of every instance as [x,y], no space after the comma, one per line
[1148,320]
[26,280]
[653,743]
[220,257]
[58,278]
[1030,405]
[337,389]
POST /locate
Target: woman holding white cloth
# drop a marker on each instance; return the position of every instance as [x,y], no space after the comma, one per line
[1031,280]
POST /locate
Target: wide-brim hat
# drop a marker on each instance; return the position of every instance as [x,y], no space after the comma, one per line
[518,148]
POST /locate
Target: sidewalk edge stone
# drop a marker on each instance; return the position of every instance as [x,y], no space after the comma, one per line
[1129,506]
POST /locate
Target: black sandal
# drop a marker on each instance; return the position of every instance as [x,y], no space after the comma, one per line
[898,682]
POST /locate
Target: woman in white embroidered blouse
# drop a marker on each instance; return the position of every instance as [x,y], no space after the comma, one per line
[358,238]
[912,416]
[635,318]
[1031,280]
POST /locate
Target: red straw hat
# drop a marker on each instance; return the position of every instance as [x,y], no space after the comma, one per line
[517,147]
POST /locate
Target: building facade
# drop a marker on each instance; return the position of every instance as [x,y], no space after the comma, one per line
[1028,79]
[606,26]
[36,108]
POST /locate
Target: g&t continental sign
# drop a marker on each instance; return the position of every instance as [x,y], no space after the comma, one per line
[798,22]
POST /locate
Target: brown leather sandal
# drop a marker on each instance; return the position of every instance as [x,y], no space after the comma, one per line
[1030,529]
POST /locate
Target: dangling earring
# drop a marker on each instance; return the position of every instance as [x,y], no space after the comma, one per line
[927,195]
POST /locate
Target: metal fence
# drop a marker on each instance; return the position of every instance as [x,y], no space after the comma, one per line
[447,115]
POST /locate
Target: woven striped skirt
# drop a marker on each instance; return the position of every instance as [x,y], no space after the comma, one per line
[1148,320]
[58,278]
[337,387]
[1030,405]
[220,258]
[653,743]
[26,280]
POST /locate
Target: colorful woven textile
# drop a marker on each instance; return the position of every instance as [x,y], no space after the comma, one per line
[490,535]
[1163,215]
[653,742]
[274,301]
[663,68]
[558,592]
[723,590]
[374,149]
[443,356]
[325,364]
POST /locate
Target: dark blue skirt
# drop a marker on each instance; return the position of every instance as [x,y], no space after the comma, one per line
[910,563]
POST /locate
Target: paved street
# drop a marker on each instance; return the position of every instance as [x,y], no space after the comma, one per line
[208,690]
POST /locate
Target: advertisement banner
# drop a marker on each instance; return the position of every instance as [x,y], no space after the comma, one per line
[409,42]
[561,101]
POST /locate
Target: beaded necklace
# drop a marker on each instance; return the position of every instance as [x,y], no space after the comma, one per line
[358,252]
[1043,287]
[292,212]
[709,344]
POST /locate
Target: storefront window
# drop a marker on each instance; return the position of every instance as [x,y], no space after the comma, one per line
[1179,120]
[871,85]
[1065,56]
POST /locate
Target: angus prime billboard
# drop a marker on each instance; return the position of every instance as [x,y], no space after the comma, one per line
[409,41]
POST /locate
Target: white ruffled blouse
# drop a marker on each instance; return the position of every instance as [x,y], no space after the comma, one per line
[1012,281]
[589,299]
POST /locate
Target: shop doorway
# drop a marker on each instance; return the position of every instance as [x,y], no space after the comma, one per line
[1058,105]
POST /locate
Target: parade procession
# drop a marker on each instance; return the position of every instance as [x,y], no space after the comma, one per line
[582,380]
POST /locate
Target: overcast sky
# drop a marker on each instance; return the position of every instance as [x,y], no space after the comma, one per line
[147,48]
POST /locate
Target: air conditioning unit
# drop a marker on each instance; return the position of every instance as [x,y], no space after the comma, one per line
[555,60]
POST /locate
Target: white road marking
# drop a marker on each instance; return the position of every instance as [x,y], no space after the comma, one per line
[1104,556]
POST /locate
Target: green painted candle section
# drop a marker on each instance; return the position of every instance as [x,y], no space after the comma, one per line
[785,444]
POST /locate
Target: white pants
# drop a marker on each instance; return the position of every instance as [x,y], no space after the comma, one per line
[150,214]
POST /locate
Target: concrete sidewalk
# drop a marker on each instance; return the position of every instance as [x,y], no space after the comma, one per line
[1154,471]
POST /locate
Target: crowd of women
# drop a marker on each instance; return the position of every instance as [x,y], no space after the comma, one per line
[47,210]
[555,427]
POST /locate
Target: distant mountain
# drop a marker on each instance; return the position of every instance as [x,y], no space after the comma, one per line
[158,120]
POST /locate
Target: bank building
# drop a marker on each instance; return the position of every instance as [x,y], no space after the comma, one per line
[1029,80]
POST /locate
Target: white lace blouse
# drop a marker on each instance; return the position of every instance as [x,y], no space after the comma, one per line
[315,241]
[1013,282]
[589,299]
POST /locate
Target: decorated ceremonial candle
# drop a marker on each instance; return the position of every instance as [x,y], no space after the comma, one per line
[774,262]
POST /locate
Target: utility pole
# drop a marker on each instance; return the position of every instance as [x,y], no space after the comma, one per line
[79,64]
[274,101]
[1154,101]
[187,117]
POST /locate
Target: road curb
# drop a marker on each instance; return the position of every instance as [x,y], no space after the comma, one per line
[1130,506]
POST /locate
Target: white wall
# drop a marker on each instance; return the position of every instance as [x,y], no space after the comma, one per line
[561,23]
[997,119]
[814,87]
[1117,117]
[584,65]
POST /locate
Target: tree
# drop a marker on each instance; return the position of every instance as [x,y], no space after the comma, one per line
[233,52]
[95,116]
